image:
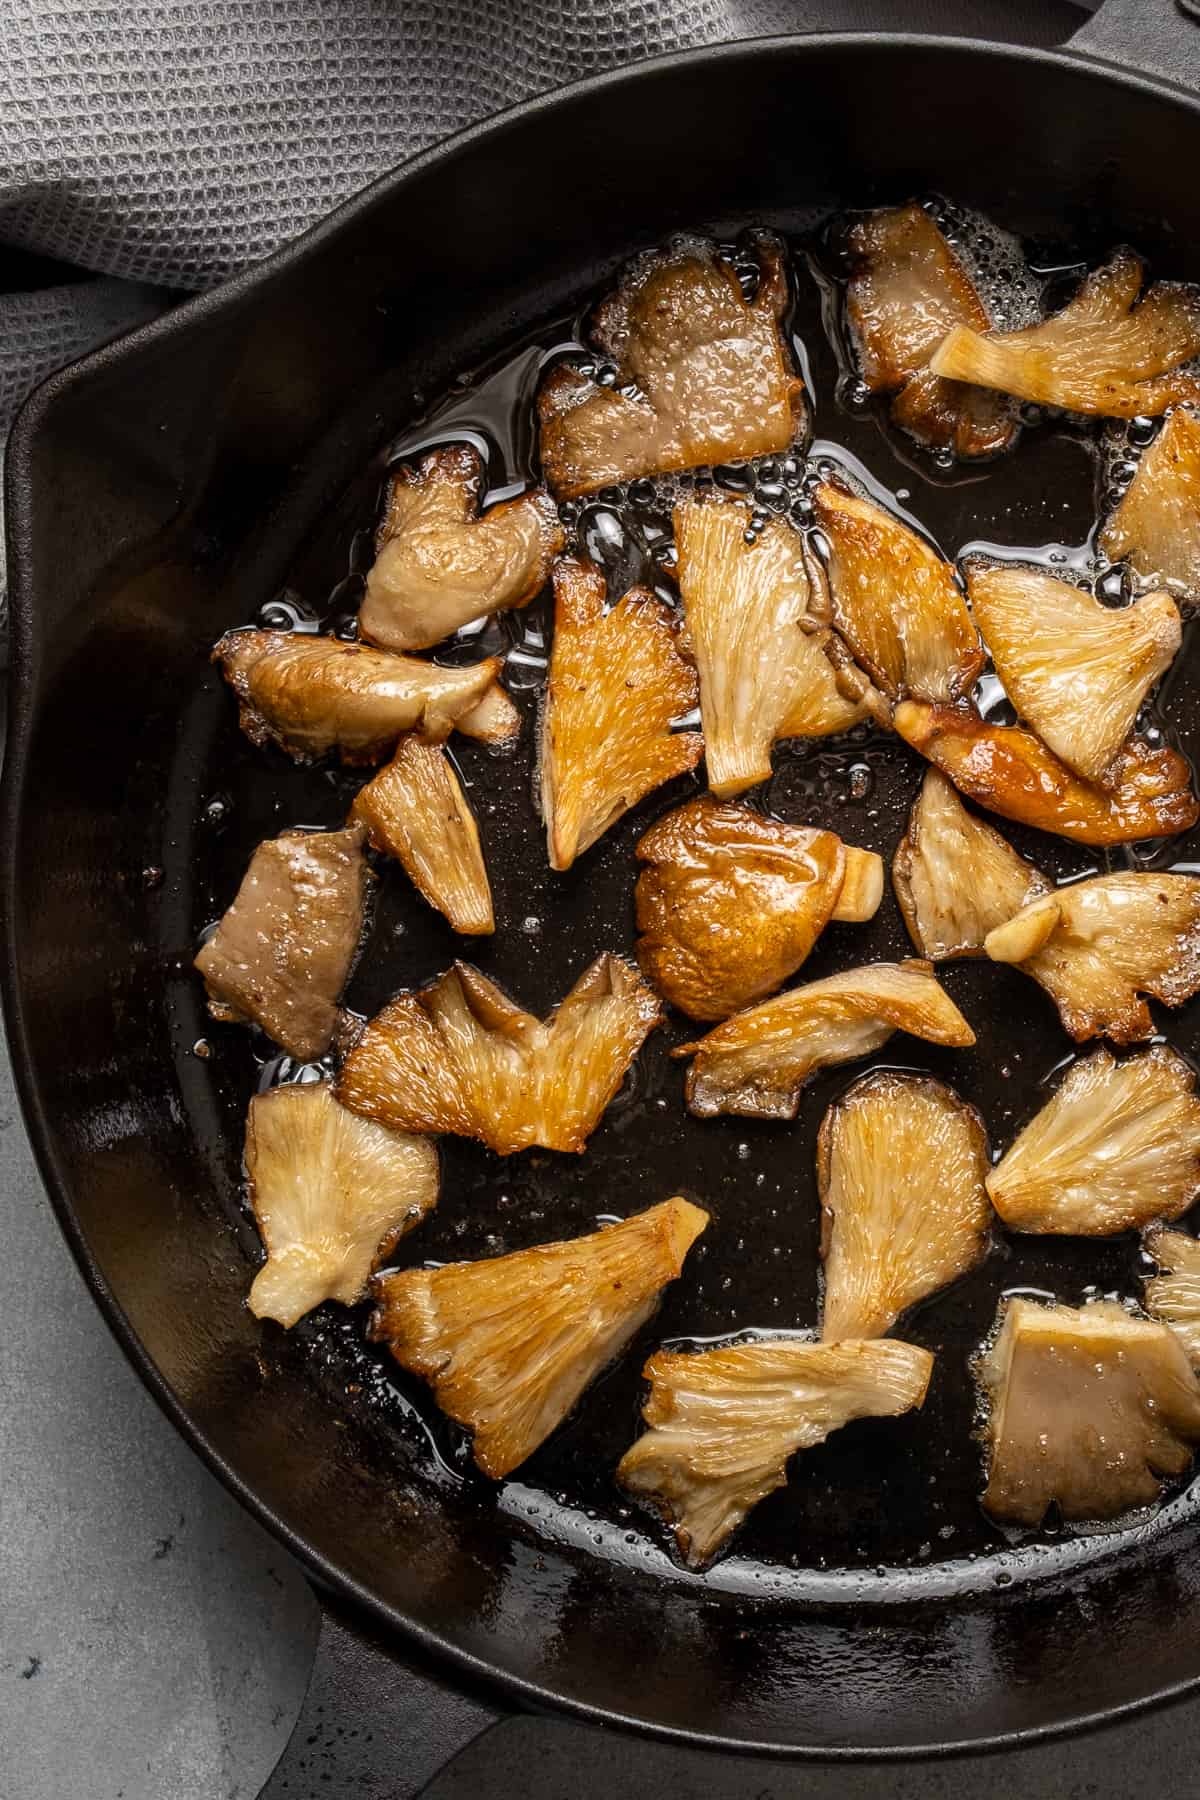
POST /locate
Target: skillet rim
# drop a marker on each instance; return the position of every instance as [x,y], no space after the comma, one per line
[332,1582]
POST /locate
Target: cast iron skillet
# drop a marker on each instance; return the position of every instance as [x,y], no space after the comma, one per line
[157,493]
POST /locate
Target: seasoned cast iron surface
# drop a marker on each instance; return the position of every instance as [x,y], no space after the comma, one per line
[881,1496]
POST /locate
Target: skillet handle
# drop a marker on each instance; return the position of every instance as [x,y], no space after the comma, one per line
[371,1724]
[1151,37]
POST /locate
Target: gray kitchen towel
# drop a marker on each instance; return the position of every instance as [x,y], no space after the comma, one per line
[168,143]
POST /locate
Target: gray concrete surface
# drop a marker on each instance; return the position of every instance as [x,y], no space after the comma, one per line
[154,1642]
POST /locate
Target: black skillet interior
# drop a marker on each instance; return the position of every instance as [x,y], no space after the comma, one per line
[172,488]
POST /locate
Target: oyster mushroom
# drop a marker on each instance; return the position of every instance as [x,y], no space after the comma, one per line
[731,903]
[1156,527]
[890,1235]
[1076,670]
[1011,772]
[1116,1147]
[757,1062]
[509,1344]
[1107,352]
[723,1423]
[312,694]
[416,811]
[440,564]
[907,289]
[282,954]
[616,682]
[1098,945]
[332,1193]
[895,601]
[712,380]
[764,673]
[1089,1410]
[1173,1295]
[460,1056]
[955,877]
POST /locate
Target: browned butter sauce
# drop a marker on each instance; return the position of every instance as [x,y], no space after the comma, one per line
[880,1496]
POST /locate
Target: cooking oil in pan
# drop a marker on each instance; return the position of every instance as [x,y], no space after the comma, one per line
[885,1506]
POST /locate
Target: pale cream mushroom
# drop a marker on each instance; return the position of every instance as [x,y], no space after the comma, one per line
[441,564]
[723,1423]
[333,1195]
[510,1343]
[1108,352]
[757,1063]
[901,1162]
[460,1056]
[616,682]
[764,671]
[1088,1410]
[713,380]
[1116,1147]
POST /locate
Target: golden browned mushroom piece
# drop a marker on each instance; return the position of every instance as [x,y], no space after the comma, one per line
[763,676]
[1076,670]
[1116,1147]
[460,1056]
[1156,527]
[714,381]
[312,694]
[730,903]
[416,811]
[1011,772]
[1098,945]
[723,1423]
[955,877]
[283,952]
[1107,352]
[440,564]
[616,682]
[1088,1409]
[895,601]
[333,1194]
[901,1162]
[757,1062]
[1173,1295]
[510,1344]
[907,290]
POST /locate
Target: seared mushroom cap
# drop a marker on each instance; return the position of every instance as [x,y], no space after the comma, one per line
[312,694]
[1106,353]
[763,675]
[283,952]
[1156,527]
[1077,671]
[332,1193]
[731,903]
[955,876]
[907,290]
[1116,1147]
[416,811]
[713,380]
[895,601]
[1088,1410]
[1011,772]
[723,1423]
[616,682]
[1173,1295]
[1098,945]
[460,1056]
[901,1162]
[757,1062]
[440,564]
[509,1344]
